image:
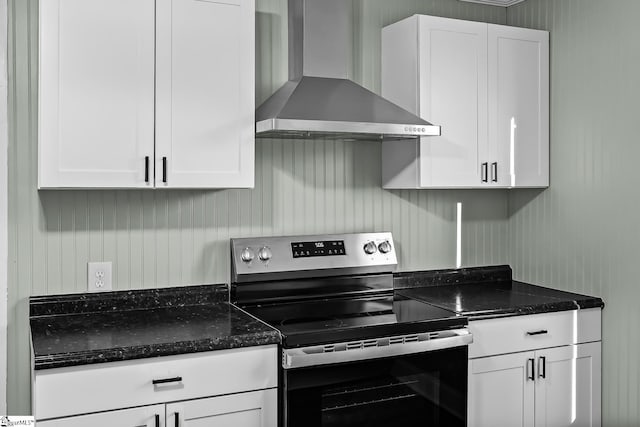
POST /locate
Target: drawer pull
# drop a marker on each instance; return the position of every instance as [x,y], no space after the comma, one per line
[541,332]
[531,369]
[167,380]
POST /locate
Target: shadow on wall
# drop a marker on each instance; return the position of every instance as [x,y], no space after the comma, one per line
[271,54]
[520,198]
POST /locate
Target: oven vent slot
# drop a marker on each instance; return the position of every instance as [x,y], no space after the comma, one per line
[411,338]
[405,339]
[354,345]
[329,348]
[371,343]
[396,340]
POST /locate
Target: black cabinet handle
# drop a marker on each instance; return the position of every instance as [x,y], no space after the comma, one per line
[540,332]
[484,172]
[164,169]
[167,380]
[531,363]
[157,420]
[177,419]
[542,370]
[494,172]
[146,169]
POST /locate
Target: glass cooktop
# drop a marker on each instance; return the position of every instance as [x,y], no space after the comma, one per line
[342,319]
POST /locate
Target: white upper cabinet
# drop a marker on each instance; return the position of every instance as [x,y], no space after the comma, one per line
[205,93]
[519,105]
[146,93]
[96,93]
[478,82]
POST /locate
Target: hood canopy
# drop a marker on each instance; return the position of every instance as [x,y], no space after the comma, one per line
[319,99]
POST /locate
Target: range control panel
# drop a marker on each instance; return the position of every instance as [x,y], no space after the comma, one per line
[263,258]
[319,248]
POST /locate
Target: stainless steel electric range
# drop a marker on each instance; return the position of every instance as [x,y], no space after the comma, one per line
[354,352]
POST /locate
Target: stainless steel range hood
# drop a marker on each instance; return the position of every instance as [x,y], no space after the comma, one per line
[319,99]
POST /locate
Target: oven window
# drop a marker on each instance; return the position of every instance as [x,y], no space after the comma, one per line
[429,389]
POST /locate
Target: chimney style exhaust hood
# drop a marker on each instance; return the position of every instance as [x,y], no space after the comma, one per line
[319,100]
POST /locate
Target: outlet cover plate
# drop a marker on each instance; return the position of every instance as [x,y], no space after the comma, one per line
[99,276]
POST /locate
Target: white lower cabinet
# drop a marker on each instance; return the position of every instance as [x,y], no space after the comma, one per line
[500,394]
[541,387]
[570,393]
[251,409]
[235,387]
[148,416]
[255,409]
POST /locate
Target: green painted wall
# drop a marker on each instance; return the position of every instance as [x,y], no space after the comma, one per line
[582,234]
[157,238]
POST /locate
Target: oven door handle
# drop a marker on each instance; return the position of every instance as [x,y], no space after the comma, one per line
[314,356]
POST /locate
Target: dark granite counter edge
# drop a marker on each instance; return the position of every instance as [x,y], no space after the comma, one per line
[135,299]
[413,279]
[156,350]
[536,309]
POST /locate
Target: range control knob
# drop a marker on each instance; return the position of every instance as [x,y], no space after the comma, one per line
[264,254]
[370,248]
[384,247]
[247,255]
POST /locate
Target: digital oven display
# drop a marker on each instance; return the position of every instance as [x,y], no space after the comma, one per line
[313,249]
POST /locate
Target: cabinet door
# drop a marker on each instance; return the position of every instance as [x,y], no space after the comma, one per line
[146,416]
[96,93]
[251,409]
[453,94]
[568,386]
[519,105]
[501,391]
[205,94]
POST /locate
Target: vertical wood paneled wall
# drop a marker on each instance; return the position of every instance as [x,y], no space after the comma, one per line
[582,234]
[168,238]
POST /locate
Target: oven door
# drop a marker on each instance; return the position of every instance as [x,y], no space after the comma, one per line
[424,389]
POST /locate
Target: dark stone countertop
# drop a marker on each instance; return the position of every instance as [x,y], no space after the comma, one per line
[81,329]
[486,292]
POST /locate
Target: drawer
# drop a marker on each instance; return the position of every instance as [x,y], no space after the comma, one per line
[523,333]
[91,388]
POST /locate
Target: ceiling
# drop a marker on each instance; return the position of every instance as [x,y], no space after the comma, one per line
[504,3]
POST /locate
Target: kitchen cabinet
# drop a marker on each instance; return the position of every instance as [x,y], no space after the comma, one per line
[146,94]
[147,416]
[542,386]
[487,86]
[250,409]
[255,409]
[223,387]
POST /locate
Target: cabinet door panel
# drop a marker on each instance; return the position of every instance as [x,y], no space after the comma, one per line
[500,392]
[205,93]
[519,105]
[137,417]
[252,409]
[96,93]
[569,393]
[453,94]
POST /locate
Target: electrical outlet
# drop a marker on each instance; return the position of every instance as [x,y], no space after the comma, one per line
[99,276]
